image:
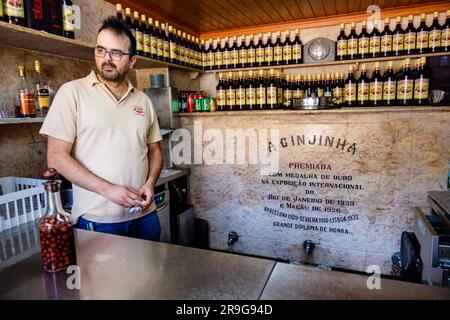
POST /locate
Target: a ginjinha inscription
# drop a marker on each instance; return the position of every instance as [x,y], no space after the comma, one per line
[318,140]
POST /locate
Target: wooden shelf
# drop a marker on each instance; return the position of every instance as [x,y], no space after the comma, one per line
[31,39]
[357,62]
[344,110]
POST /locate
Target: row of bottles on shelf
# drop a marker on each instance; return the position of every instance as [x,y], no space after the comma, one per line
[54,16]
[412,40]
[32,97]
[162,42]
[253,52]
[275,90]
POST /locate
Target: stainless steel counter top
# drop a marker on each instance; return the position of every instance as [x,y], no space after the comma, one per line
[295,282]
[114,267]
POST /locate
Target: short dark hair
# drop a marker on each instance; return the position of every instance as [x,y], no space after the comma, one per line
[119,27]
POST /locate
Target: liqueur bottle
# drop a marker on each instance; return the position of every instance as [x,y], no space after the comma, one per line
[42,91]
[435,33]
[338,91]
[159,42]
[278,50]
[341,44]
[67,15]
[423,34]
[352,44]
[389,86]
[173,56]
[129,21]
[231,93]
[234,54]
[250,91]
[218,55]
[363,88]
[410,34]
[243,56]
[421,83]
[386,40]
[398,39]
[297,49]
[221,99]
[56,229]
[445,37]
[376,87]
[260,61]
[153,40]
[375,41]
[145,36]
[268,51]
[240,92]
[272,94]
[166,44]
[261,92]
[251,52]
[363,42]
[405,85]
[287,49]
[287,93]
[350,89]
[119,11]
[138,35]
[24,96]
[210,56]
[226,54]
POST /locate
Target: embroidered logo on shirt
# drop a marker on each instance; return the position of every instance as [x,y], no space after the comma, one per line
[138,110]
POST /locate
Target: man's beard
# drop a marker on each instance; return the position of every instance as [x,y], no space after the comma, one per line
[112,76]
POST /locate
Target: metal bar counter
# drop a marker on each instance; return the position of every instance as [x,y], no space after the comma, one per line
[115,267]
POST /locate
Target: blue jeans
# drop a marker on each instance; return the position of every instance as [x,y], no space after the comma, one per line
[146,227]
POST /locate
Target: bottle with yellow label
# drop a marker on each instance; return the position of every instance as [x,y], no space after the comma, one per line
[138,34]
[389,86]
[251,52]
[234,54]
[226,54]
[297,49]
[363,42]
[159,42]
[423,34]
[268,51]
[376,87]
[375,41]
[240,92]
[259,51]
[42,92]
[435,33]
[272,93]
[410,35]
[352,43]
[68,15]
[261,94]
[287,48]
[386,40]
[221,99]
[341,44]
[24,96]
[231,93]
[363,88]
[350,89]
[243,54]
[218,55]
[250,91]
[445,38]
[405,85]
[398,39]
[278,50]
[421,83]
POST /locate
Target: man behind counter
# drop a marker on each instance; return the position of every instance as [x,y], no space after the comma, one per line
[103,136]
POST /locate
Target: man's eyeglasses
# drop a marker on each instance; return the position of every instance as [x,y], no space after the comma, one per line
[117,55]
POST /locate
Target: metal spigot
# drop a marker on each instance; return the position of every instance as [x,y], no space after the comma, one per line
[232,238]
[309,246]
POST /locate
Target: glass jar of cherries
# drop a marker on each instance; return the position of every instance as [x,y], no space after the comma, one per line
[55,228]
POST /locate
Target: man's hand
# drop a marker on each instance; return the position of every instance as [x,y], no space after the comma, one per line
[149,191]
[123,196]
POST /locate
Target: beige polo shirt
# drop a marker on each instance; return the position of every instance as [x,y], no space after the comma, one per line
[110,138]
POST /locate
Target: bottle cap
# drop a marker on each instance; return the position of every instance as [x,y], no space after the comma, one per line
[150,21]
[342,26]
[386,21]
[136,14]
[410,17]
[127,11]
[423,16]
[364,23]
[377,65]
[353,25]
[398,19]
[143,17]
[435,14]
[118,6]
[50,174]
